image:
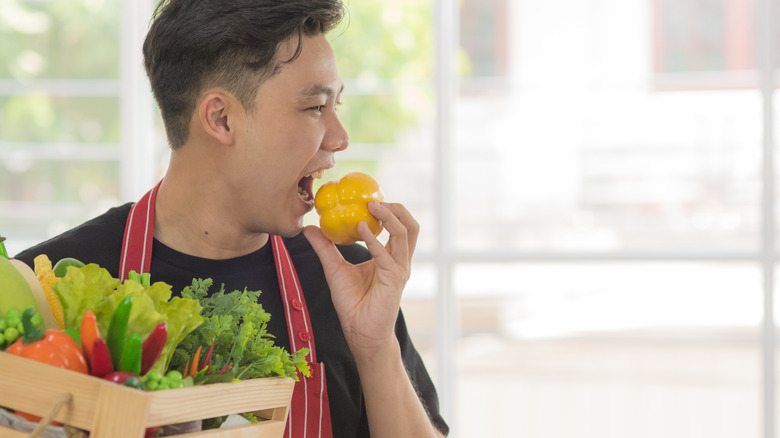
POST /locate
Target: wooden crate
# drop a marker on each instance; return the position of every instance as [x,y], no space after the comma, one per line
[109,410]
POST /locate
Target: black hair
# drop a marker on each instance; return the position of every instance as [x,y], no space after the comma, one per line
[195,44]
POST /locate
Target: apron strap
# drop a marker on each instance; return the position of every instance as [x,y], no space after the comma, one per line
[139,234]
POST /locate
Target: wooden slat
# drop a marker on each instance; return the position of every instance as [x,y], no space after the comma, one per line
[264,429]
[115,411]
[33,387]
[121,413]
[207,401]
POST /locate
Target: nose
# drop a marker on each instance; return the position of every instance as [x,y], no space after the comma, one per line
[336,138]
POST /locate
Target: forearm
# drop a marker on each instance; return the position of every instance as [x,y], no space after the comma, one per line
[392,404]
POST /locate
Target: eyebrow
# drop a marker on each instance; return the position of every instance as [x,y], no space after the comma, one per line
[319,90]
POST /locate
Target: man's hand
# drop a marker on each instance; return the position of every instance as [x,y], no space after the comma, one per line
[367,296]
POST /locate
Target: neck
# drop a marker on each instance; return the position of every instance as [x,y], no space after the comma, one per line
[193,215]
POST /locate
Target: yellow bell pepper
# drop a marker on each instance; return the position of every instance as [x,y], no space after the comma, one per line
[343,204]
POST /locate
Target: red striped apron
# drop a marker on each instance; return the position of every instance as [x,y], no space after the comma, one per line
[309,415]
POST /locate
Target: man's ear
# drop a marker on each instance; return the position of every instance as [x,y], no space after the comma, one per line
[217,113]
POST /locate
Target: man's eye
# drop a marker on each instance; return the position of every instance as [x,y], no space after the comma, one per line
[318,108]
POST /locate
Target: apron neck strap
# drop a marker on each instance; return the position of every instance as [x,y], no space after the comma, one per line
[139,235]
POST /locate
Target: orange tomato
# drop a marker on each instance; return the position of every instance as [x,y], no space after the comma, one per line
[52,347]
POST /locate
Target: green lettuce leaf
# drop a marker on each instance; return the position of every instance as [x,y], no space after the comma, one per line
[92,288]
[82,289]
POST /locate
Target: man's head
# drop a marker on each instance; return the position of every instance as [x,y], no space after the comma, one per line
[193,45]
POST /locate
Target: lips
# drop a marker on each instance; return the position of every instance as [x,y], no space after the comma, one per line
[306,184]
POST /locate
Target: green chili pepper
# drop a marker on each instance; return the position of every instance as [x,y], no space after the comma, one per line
[117,330]
[131,356]
[3,252]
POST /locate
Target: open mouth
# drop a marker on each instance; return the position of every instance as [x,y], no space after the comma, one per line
[306,186]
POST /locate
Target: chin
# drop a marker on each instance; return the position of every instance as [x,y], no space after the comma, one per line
[290,231]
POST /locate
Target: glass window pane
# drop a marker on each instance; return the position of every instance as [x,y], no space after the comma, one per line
[579,150]
[59,113]
[59,39]
[41,117]
[609,350]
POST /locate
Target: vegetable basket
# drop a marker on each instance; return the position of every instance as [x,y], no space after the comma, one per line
[109,410]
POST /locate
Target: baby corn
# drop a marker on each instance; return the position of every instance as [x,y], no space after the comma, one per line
[46,277]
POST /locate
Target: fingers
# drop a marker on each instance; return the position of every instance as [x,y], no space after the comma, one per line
[380,253]
[401,226]
[408,221]
[325,249]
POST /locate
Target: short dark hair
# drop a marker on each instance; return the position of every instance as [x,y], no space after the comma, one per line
[195,44]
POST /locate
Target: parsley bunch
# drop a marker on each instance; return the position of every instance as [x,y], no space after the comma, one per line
[236,322]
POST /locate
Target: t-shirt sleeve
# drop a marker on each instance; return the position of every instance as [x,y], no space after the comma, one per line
[419,375]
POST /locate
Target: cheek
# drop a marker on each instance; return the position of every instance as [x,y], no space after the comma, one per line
[301,144]
[285,143]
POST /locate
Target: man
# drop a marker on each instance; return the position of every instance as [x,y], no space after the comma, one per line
[248,92]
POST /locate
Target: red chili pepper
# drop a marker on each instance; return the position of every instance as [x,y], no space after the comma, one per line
[207,359]
[153,347]
[101,359]
[224,370]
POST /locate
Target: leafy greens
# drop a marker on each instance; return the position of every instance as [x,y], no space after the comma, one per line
[237,323]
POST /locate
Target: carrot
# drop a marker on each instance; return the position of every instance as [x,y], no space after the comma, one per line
[194,369]
[89,332]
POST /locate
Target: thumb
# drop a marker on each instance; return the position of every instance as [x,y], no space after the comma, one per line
[325,249]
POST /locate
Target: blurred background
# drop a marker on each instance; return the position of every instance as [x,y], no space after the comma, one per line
[594,179]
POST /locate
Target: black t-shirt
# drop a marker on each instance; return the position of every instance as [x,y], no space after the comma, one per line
[100,240]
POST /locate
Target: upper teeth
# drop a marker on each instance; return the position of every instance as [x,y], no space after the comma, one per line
[317,174]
